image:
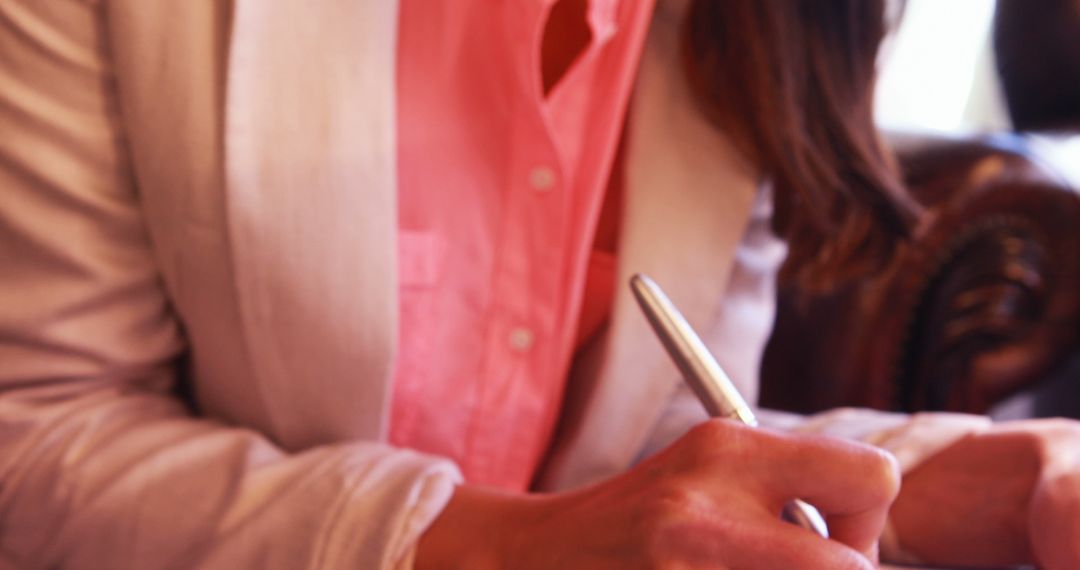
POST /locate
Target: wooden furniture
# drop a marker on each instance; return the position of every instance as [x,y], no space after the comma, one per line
[984,303]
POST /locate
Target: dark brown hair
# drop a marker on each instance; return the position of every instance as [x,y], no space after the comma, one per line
[791,81]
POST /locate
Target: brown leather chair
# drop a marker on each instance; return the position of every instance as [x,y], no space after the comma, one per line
[984,302]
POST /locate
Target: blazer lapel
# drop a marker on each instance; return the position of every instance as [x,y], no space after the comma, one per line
[311,211]
[688,199]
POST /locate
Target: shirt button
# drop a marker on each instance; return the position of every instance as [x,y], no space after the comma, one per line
[521,339]
[542,178]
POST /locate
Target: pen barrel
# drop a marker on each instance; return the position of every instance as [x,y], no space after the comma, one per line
[706,378]
[699,368]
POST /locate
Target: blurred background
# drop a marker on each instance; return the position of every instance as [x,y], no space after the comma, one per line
[939,71]
[981,100]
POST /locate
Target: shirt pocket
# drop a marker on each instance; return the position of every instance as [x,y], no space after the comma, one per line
[421,259]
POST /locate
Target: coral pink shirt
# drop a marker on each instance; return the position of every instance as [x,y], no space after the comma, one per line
[500,190]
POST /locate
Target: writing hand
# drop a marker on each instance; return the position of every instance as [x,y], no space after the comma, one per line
[712,499]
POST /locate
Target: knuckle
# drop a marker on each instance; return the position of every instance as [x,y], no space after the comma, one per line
[678,536]
[884,470]
[714,436]
[671,502]
[710,432]
[672,513]
[878,472]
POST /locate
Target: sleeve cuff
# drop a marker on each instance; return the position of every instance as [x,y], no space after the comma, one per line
[378,525]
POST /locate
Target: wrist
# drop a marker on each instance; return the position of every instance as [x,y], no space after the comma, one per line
[478,530]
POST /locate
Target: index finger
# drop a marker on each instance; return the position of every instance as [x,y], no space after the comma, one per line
[851,483]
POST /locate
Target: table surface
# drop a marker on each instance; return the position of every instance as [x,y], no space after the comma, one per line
[891,567]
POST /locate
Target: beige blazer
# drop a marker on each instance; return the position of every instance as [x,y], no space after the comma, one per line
[219,177]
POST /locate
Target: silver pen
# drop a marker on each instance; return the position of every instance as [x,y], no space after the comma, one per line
[709,382]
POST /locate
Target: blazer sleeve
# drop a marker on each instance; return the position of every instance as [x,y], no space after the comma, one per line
[101,465]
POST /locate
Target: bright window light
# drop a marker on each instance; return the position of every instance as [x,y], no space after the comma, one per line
[937,72]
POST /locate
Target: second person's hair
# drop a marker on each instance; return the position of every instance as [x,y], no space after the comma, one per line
[792,82]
